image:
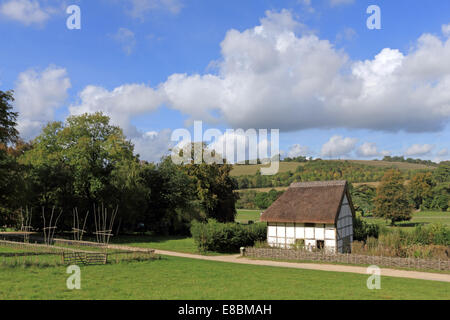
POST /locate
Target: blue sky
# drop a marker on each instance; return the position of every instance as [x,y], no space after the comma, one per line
[310,68]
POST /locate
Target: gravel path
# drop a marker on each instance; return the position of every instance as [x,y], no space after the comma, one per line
[312,266]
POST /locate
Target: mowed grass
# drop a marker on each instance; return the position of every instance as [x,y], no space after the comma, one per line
[419,218]
[181,278]
[172,243]
[244,215]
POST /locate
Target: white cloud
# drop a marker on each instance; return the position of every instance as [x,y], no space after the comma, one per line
[338,146]
[121,104]
[270,76]
[139,8]
[369,149]
[38,95]
[297,150]
[446,30]
[126,39]
[443,152]
[347,34]
[26,11]
[152,146]
[419,150]
[280,75]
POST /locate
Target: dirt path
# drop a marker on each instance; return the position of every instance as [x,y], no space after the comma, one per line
[313,266]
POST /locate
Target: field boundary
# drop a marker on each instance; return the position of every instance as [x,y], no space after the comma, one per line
[302,255]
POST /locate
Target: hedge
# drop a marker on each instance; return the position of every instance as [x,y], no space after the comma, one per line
[226,237]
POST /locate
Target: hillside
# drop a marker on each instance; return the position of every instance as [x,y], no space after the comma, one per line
[241,170]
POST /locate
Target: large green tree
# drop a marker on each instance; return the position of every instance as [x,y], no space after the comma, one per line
[391,201]
[420,188]
[9,169]
[72,163]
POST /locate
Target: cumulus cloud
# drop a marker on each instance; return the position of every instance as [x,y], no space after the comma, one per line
[446,30]
[369,149]
[338,146]
[152,146]
[443,152]
[120,104]
[38,95]
[239,145]
[297,150]
[280,75]
[27,12]
[126,39]
[419,150]
[276,75]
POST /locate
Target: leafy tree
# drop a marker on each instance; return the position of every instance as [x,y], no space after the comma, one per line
[8,131]
[442,172]
[420,188]
[72,163]
[391,201]
[362,197]
[9,169]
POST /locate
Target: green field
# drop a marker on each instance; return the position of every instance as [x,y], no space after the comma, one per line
[244,215]
[419,218]
[180,278]
[240,170]
[422,218]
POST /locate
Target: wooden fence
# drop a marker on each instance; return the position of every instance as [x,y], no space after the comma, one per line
[302,255]
[84,258]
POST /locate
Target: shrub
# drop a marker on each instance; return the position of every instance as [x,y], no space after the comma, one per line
[226,237]
[363,229]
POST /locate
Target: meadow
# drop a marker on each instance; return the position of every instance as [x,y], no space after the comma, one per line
[182,278]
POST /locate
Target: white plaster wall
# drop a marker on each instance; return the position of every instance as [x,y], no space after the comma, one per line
[300,231]
[319,232]
[309,232]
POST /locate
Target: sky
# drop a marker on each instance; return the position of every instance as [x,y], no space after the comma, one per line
[311,68]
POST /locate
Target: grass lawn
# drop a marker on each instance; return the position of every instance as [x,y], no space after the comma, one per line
[180,278]
[172,243]
[419,218]
[244,215]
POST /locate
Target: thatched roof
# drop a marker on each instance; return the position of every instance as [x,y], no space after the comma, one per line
[309,202]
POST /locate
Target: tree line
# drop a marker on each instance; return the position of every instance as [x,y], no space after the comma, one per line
[315,170]
[86,161]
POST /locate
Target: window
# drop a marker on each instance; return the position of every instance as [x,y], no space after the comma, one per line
[320,244]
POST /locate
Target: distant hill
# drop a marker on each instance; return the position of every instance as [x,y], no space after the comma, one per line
[241,170]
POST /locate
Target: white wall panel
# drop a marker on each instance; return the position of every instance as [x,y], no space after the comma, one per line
[281,230]
[309,232]
[319,232]
[299,231]
[272,231]
[290,230]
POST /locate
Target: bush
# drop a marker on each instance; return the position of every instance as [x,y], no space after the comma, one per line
[226,237]
[363,229]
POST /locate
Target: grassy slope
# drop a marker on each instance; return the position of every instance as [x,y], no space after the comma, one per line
[423,218]
[240,170]
[179,278]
